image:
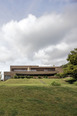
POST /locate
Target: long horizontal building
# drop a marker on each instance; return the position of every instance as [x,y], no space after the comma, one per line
[33,71]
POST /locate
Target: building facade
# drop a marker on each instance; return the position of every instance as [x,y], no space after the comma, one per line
[33,71]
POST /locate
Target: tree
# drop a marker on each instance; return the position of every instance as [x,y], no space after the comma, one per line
[72,57]
[71,67]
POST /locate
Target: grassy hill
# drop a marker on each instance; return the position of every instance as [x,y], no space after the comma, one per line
[37,97]
[35,82]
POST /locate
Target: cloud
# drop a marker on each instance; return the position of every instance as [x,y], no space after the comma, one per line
[44,40]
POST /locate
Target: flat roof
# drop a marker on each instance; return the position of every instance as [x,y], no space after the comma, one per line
[32,66]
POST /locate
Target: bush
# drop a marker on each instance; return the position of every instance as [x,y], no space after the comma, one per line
[15,77]
[39,77]
[45,77]
[61,75]
[55,83]
[29,77]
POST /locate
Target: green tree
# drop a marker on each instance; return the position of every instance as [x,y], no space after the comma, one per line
[72,57]
[71,68]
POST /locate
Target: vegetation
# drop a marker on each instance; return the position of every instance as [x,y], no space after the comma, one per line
[28,77]
[22,77]
[61,75]
[71,67]
[35,97]
[37,82]
[55,83]
[72,57]
[75,83]
[46,77]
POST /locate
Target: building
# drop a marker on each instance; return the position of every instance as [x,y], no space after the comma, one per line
[33,71]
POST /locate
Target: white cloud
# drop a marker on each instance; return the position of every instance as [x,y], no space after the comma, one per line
[45,40]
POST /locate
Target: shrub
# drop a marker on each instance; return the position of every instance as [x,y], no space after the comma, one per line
[22,77]
[45,77]
[55,83]
[19,77]
[15,77]
[29,77]
[39,77]
[61,75]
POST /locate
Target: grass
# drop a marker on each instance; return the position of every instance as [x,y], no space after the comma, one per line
[38,82]
[23,98]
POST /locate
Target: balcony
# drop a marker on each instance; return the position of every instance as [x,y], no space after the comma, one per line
[35,72]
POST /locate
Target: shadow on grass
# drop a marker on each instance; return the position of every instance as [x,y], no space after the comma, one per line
[2,112]
[71,81]
[35,100]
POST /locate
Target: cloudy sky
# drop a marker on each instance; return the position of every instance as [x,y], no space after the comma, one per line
[37,32]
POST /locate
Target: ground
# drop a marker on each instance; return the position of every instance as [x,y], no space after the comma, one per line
[37,97]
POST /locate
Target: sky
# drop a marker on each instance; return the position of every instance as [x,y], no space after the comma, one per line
[37,32]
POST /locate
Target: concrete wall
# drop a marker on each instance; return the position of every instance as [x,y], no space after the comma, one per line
[59,69]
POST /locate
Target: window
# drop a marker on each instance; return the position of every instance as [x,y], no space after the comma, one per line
[7,76]
[33,70]
[20,70]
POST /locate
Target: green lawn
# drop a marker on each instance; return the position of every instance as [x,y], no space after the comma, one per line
[35,82]
[37,97]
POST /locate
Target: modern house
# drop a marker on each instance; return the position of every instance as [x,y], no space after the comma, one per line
[33,71]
